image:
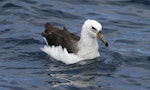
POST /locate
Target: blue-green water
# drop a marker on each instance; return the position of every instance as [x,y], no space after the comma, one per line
[124,65]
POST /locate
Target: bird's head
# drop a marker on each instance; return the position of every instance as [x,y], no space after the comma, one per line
[93,29]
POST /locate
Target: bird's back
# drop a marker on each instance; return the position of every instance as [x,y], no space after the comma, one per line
[57,37]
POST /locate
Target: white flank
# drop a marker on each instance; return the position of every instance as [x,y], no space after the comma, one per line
[60,54]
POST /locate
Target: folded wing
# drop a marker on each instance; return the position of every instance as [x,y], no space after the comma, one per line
[58,37]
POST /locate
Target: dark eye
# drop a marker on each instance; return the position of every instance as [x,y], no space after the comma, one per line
[93,28]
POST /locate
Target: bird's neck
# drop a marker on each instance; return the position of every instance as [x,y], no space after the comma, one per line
[87,40]
[88,45]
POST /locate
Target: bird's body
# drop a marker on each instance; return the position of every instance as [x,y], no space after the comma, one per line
[70,48]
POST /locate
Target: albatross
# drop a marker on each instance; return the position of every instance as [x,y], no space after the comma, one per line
[70,48]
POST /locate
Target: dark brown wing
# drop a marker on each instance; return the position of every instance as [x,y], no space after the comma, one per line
[57,37]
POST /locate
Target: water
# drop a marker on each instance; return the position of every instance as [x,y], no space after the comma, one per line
[124,65]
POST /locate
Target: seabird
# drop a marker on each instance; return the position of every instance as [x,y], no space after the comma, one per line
[70,48]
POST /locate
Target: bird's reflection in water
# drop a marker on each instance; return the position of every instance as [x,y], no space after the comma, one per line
[82,74]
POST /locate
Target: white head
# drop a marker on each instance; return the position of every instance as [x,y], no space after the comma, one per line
[93,28]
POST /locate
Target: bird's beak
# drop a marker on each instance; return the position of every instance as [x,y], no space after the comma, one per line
[101,37]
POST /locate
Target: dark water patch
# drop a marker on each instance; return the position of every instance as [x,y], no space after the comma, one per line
[29,1]
[2,0]
[10,5]
[86,69]
[28,17]
[126,13]
[78,2]
[5,31]
[133,82]
[39,72]
[147,31]
[21,68]
[138,61]
[148,58]
[24,15]
[129,2]
[145,2]
[5,22]
[56,13]
[28,41]
[46,5]
[17,41]
[10,40]
[35,55]
[126,41]
[118,3]
[15,45]
[12,87]
[129,24]
[107,30]
[22,55]
[111,55]
[4,12]
[7,47]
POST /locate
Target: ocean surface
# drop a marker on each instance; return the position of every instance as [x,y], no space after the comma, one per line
[124,65]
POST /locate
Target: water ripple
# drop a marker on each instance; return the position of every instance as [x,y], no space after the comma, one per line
[56,13]
[10,5]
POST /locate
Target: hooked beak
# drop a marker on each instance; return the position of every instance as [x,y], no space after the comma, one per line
[101,37]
